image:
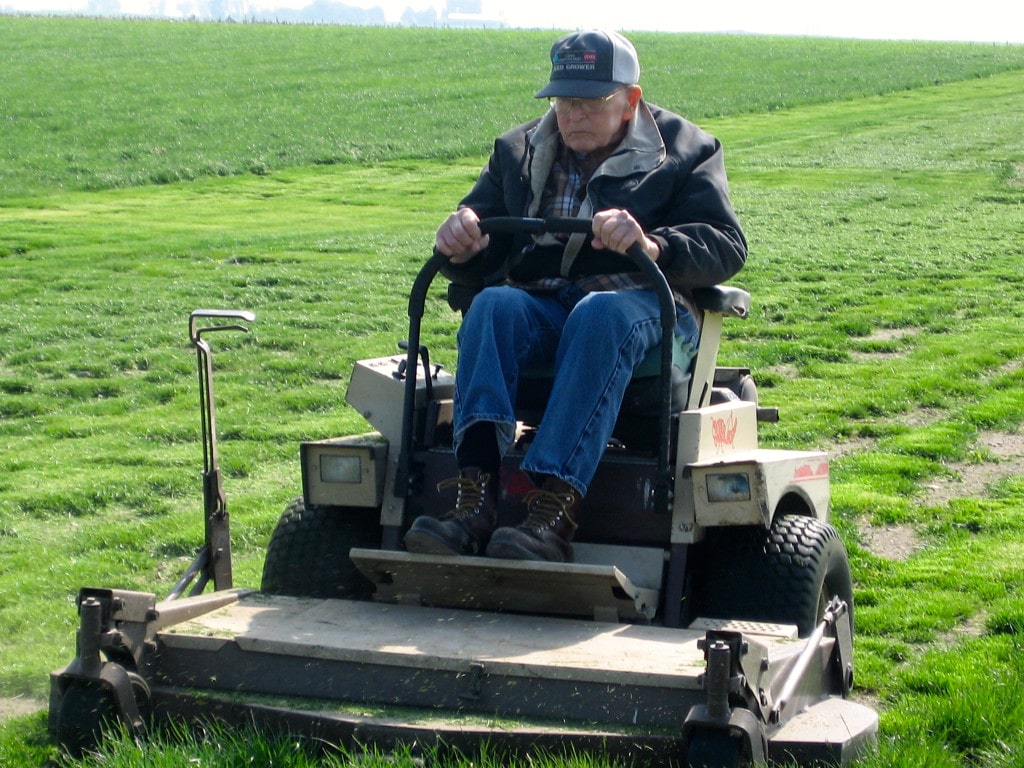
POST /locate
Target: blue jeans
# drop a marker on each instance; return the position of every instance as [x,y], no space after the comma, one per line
[594,341]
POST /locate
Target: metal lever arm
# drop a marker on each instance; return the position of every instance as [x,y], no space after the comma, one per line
[214,559]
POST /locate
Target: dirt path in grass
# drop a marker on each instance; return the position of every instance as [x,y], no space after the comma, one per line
[972,479]
[19,706]
[966,480]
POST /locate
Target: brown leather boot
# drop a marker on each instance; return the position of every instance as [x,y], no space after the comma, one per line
[466,529]
[548,529]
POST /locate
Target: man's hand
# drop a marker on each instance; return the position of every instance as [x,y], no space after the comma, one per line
[617,230]
[459,237]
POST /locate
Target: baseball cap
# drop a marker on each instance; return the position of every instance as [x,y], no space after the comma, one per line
[588,65]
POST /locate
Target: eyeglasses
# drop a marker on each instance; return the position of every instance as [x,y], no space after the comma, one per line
[563,105]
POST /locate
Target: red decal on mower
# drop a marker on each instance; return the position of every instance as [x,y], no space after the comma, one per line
[807,472]
[723,431]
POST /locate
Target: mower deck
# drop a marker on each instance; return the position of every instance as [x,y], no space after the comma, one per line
[545,679]
[391,654]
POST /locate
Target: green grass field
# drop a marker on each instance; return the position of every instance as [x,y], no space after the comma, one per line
[151,168]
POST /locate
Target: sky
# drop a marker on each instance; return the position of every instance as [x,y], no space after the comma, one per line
[998,21]
[980,20]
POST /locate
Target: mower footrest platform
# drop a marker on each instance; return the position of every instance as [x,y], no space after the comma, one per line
[601,592]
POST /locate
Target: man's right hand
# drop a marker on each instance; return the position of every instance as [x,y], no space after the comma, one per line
[459,237]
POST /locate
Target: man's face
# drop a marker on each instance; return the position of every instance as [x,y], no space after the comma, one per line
[588,125]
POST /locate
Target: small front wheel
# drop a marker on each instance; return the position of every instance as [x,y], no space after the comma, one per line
[86,710]
[712,748]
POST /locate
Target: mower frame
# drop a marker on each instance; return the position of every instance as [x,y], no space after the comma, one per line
[661,642]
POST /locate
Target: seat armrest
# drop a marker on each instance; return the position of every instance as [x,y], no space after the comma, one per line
[723,299]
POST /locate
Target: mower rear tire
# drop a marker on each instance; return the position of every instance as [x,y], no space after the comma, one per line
[784,575]
[308,552]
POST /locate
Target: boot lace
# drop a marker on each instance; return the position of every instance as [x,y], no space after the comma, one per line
[546,508]
[469,498]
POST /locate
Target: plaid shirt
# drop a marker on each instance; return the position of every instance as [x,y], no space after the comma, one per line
[566,187]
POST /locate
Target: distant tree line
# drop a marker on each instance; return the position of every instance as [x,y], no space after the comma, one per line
[458,12]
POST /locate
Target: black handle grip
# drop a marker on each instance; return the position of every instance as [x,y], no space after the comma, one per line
[552,224]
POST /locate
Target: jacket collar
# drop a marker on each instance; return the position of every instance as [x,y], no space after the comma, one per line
[641,150]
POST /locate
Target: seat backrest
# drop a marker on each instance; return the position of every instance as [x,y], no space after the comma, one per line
[714,303]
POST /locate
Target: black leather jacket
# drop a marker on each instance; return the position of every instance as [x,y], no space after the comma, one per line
[668,173]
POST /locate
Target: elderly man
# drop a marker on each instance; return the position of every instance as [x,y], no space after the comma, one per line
[644,175]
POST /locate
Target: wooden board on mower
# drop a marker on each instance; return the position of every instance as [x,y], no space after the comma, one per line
[588,590]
